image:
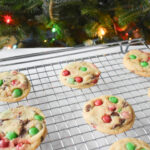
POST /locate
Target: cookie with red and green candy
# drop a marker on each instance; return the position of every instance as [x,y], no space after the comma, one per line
[14,86]
[109,114]
[79,75]
[22,128]
[130,144]
[138,61]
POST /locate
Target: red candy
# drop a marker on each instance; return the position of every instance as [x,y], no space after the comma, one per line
[78,79]
[4,143]
[66,73]
[97,75]
[19,146]
[98,102]
[125,115]
[148,59]
[112,108]
[106,119]
[14,72]
[94,81]
[15,82]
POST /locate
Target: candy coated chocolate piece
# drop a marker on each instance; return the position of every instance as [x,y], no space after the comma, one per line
[33,131]
[119,110]
[78,79]
[71,80]
[112,107]
[66,73]
[106,119]
[4,143]
[19,146]
[144,64]
[113,99]
[1,82]
[83,68]
[38,117]
[132,57]
[17,92]
[130,146]
[11,135]
[125,115]
[94,81]
[98,102]
[13,82]
[143,149]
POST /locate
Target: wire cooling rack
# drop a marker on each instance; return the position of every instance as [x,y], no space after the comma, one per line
[62,105]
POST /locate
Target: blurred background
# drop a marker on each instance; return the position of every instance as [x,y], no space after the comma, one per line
[63,23]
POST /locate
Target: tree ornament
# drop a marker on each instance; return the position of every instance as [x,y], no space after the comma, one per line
[7,19]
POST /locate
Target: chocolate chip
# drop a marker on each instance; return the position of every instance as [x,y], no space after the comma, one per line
[116,125]
[125,104]
[114,114]
[23,130]
[42,138]
[121,121]
[88,108]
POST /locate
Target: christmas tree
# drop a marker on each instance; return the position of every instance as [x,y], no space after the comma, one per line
[72,22]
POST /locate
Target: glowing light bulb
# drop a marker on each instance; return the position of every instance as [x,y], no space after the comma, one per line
[7,19]
[101,32]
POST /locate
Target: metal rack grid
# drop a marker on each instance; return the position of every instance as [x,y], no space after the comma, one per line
[62,105]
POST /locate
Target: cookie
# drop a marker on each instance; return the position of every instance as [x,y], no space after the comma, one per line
[22,128]
[80,75]
[14,86]
[109,114]
[149,92]
[130,144]
[138,62]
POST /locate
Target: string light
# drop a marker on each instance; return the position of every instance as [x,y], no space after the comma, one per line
[54,29]
[101,32]
[14,46]
[9,47]
[7,19]
[45,41]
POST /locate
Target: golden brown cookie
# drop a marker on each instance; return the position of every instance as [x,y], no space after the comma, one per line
[22,128]
[109,114]
[14,86]
[138,62]
[80,75]
[130,144]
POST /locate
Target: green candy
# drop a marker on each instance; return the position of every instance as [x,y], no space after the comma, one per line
[83,69]
[119,110]
[143,149]
[113,99]
[144,63]
[130,146]
[1,82]
[11,135]
[132,57]
[17,92]
[38,117]
[71,81]
[33,131]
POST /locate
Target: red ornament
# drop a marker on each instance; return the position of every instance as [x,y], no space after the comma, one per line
[78,79]
[106,119]
[66,73]
[112,108]
[4,143]
[7,19]
[98,102]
